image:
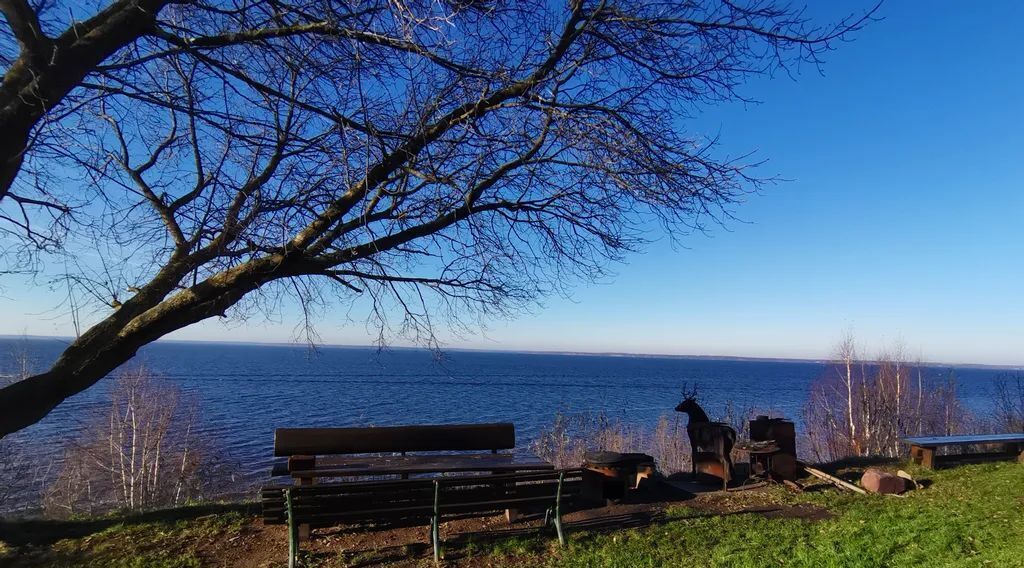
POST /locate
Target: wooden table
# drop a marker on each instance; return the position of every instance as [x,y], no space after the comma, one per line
[922,448]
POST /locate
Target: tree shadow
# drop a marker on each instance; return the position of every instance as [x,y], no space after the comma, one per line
[47,531]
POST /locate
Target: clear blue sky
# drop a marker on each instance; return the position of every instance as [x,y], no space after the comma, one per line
[903,219]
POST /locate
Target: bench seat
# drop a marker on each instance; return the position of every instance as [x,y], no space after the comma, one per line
[359,466]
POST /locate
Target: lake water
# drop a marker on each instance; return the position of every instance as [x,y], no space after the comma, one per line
[246,391]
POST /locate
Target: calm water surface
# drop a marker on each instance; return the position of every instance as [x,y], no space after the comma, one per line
[245,391]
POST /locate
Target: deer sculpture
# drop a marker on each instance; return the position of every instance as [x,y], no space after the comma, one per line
[716,438]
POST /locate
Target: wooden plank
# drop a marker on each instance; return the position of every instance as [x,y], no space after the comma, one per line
[927,456]
[459,494]
[357,487]
[963,440]
[834,480]
[304,529]
[477,494]
[319,517]
[449,463]
[432,438]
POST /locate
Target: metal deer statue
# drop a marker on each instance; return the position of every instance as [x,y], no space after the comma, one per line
[717,438]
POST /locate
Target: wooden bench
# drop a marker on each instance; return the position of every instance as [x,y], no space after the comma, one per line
[419,499]
[923,448]
[313,453]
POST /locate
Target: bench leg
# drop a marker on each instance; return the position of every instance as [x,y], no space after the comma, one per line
[303,530]
[926,457]
[293,533]
[435,524]
[558,511]
[435,539]
[918,454]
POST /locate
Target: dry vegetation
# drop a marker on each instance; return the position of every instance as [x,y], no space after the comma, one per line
[862,407]
[1008,390]
[142,453]
[569,436]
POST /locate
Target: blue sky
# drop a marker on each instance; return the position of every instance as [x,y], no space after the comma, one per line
[902,219]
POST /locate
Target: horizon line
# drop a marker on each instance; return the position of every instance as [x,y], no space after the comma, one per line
[821,360]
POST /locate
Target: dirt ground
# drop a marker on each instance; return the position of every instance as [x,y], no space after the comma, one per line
[260,546]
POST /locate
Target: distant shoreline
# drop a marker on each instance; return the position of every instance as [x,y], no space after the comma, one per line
[820,361]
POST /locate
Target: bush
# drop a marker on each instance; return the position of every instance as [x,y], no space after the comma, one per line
[863,408]
[1008,400]
[142,453]
[569,437]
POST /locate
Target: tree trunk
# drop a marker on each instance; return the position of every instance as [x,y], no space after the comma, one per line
[141,320]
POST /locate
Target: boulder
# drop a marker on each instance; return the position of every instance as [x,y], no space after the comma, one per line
[878,481]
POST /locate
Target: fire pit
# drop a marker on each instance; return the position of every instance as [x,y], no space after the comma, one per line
[615,473]
[772,448]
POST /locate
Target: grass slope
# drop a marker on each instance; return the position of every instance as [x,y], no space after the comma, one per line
[967,516]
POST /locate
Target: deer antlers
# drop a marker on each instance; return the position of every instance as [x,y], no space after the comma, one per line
[688,392]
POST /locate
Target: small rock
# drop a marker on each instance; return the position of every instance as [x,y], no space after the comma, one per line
[878,481]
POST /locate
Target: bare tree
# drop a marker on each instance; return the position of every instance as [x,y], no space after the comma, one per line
[1008,401]
[439,161]
[141,453]
[58,57]
[865,408]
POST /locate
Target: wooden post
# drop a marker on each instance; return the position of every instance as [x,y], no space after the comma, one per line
[304,530]
[924,456]
[301,462]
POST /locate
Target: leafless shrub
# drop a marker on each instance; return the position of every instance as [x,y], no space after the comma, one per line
[863,408]
[142,453]
[739,417]
[667,444]
[15,467]
[1008,401]
[569,437]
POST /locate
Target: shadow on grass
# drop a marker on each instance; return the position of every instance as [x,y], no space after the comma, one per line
[47,531]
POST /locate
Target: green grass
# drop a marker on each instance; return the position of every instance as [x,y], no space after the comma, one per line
[157,540]
[967,516]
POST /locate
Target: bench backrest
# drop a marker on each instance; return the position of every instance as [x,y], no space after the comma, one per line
[393,439]
[332,503]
